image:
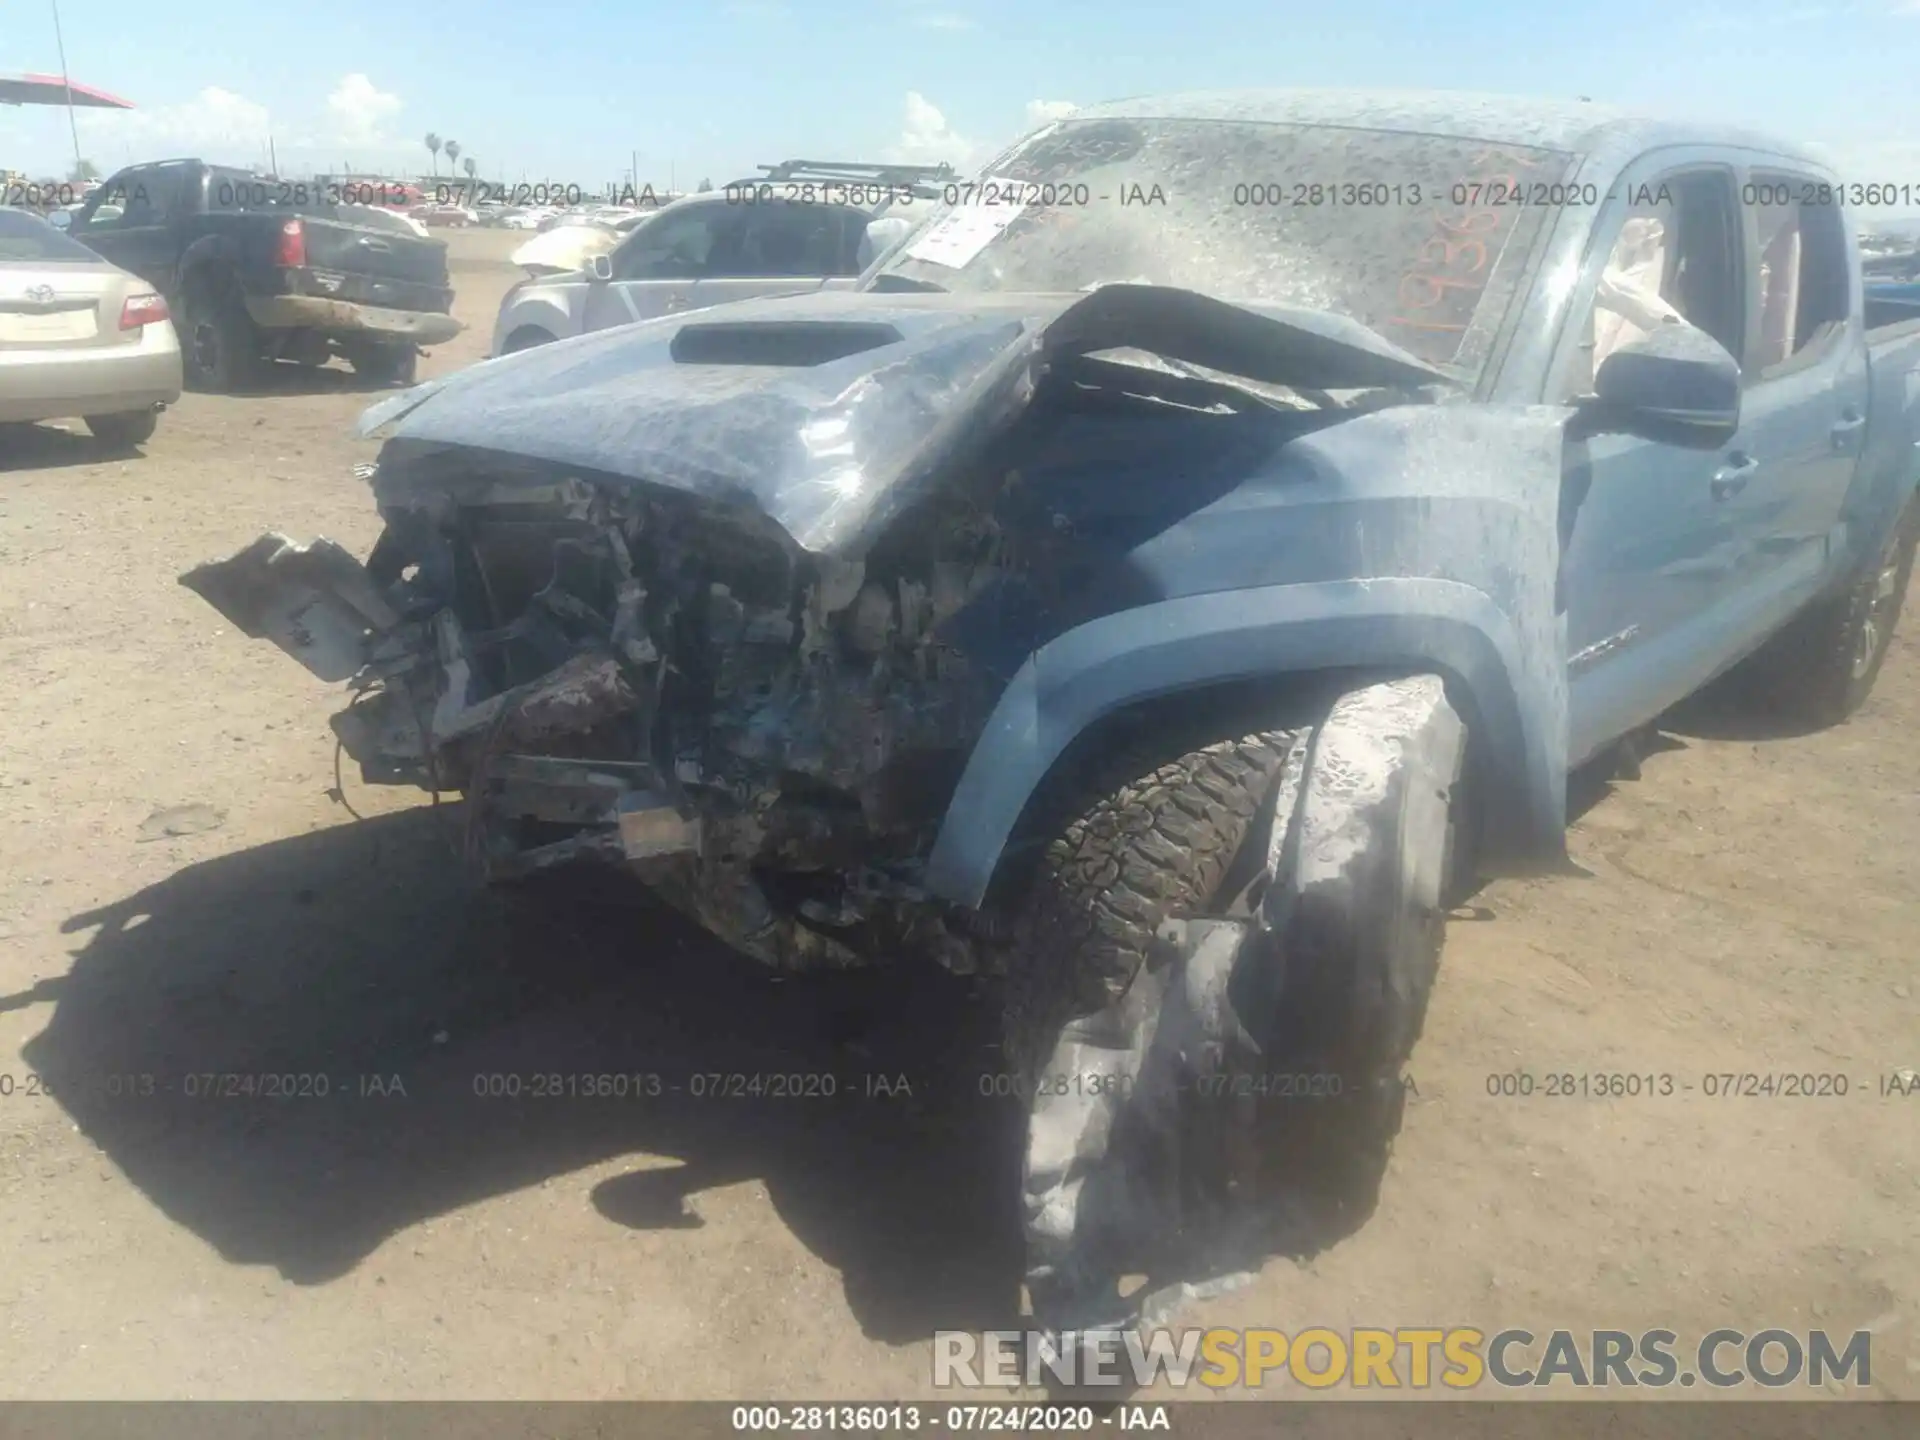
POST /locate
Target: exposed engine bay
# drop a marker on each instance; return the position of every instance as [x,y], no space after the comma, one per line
[765,737]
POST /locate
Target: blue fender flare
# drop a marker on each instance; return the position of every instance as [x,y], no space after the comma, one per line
[1513,696]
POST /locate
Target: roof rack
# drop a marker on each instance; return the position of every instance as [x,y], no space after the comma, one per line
[922,178]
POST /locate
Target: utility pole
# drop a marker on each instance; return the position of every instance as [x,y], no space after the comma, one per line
[66,80]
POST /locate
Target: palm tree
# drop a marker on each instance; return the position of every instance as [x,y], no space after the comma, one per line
[433,145]
[470,166]
[705,186]
[452,147]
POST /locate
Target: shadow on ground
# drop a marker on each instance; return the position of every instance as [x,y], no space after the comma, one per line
[357,952]
[283,377]
[49,447]
[1735,708]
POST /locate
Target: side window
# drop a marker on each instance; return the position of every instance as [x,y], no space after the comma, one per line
[686,246]
[1676,259]
[1803,290]
[794,240]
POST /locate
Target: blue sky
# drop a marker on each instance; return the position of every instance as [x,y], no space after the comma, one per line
[568,89]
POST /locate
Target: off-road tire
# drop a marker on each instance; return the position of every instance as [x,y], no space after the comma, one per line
[1152,843]
[387,364]
[125,430]
[1359,954]
[219,347]
[1821,668]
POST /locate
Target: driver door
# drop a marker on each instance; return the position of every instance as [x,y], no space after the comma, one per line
[656,269]
[1652,549]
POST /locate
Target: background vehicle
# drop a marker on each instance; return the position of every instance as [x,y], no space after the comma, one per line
[62,219]
[80,337]
[754,237]
[378,217]
[256,268]
[453,216]
[1096,602]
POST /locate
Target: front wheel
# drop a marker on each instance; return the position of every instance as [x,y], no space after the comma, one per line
[525,338]
[1219,971]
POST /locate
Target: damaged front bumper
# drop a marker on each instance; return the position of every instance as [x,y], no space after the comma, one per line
[413,719]
[595,692]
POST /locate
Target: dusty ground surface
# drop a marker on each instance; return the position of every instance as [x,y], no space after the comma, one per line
[1750,906]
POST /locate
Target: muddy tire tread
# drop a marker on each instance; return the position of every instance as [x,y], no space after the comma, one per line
[1151,843]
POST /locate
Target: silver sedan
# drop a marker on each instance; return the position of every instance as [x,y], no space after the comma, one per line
[79,336]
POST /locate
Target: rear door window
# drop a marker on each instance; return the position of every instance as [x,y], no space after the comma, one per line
[1803,290]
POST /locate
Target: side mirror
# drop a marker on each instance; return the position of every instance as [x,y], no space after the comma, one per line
[600,267]
[1675,384]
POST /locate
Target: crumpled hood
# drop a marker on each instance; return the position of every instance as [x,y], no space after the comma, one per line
[829,411]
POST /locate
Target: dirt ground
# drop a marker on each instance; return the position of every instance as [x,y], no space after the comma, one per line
[1751,904]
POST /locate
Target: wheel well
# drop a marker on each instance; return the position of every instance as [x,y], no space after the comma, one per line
[206,277]
[525,338]
[1173,724]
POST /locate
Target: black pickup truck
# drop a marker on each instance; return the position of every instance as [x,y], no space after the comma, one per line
[257,269]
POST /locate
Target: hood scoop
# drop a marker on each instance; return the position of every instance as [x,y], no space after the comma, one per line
[795,344]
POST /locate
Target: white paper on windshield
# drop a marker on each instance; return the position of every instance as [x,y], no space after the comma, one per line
[968,228]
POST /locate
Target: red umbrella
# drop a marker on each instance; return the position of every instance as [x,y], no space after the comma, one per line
[53,90]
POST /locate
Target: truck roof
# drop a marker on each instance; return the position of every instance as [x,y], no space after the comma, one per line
[1574,126]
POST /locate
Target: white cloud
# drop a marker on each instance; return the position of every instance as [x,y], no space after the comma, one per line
[226,127]
[947,20]
[1042,112]
[357,111]
[214,121]
[927,139]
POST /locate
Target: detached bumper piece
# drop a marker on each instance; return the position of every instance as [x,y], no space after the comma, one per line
[316,602]
[414,721]
[1249,1112]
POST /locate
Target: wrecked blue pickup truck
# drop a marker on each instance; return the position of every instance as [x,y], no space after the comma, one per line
[1177,568]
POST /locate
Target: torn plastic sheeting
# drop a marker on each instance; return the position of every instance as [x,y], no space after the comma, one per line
[1152,1161]
[832,452]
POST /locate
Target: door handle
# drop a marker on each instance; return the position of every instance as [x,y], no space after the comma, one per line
[1850,424]
[1730,480]
[677,303]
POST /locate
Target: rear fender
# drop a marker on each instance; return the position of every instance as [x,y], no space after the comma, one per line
[209,255]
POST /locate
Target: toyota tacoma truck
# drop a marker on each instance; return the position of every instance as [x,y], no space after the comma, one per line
[1172,574]
[256,269]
